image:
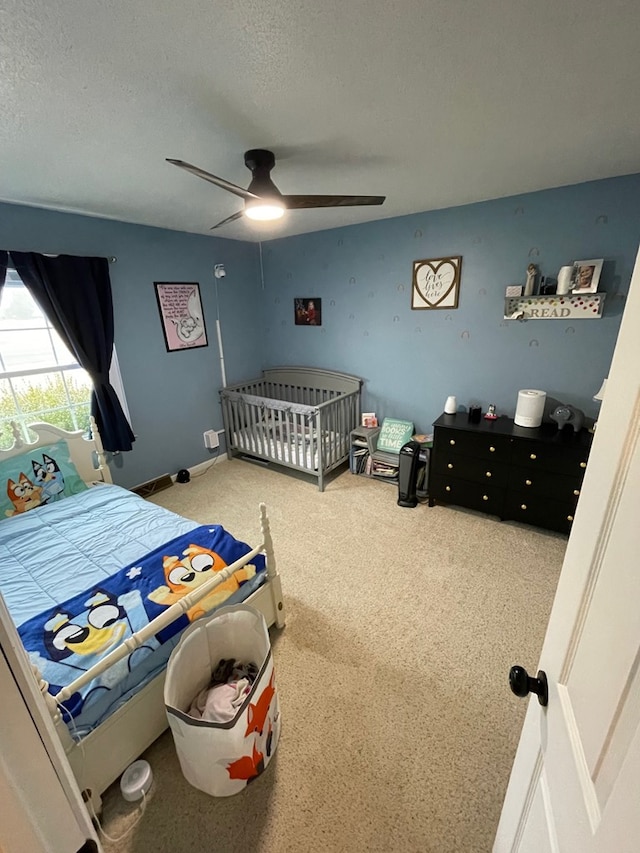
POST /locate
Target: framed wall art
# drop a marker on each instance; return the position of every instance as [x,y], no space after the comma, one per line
[307,312]
[436,283]
[586,275]
[181,314]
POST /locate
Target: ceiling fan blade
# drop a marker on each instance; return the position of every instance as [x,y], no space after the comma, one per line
[298,202]
[219,182]
[228,219]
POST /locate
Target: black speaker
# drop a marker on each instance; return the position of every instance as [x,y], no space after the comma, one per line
[409,464]
[183,476]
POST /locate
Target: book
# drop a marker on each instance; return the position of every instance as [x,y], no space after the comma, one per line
[369,419]
[394,434]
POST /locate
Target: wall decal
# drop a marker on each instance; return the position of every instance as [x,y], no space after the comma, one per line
[448,317]
[465,335]
[534,343]
[371,294]
[277,300]
[289,275]
[418,330]
[366,334]
[352,280]
[482,291]
[569,330]
[340,242]
[603,219]
[352,316]
[436,282]
[417,234]
[332,302]
[307,312]
[400,288]
[518,211]
[477,240]
[181,314]
[396,318]
[534,252]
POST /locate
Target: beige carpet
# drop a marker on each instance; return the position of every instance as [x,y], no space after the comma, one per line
[398,726]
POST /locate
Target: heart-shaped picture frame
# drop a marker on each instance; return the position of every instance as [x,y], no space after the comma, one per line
[436,283]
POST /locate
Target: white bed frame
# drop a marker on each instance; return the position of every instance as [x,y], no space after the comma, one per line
[99,758]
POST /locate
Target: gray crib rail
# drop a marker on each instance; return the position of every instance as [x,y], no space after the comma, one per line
[310,411]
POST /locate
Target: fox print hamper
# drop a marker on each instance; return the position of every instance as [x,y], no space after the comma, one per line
[221,700]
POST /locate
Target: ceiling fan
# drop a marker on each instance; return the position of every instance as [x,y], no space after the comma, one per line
[263,200]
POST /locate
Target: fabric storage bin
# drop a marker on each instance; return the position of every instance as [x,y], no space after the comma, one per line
[222,758]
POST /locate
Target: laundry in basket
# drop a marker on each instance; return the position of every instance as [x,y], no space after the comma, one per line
[222,758]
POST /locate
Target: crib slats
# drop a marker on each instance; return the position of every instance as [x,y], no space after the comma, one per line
[312,435]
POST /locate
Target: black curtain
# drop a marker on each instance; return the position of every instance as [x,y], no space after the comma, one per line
[75,294]
[3,267]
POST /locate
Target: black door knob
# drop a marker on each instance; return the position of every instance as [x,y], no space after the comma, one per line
[522,684]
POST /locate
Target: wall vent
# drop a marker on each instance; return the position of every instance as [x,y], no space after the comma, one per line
[145,490]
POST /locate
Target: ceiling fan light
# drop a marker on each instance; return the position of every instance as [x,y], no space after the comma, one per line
[264,211]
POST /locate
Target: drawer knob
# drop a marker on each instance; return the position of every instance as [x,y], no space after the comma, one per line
[527,482]
[583,464]
[576,492]
[450,465]
[492,450]
[569,518]
[447,488]
[488,473]
[485,497]
[523,506]
[533,456]
[452,441]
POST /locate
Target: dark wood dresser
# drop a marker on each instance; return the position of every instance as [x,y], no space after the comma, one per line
[530,475]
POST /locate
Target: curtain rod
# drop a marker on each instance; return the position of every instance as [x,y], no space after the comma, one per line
[111,259]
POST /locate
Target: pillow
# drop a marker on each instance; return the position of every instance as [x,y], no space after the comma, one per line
[37,477]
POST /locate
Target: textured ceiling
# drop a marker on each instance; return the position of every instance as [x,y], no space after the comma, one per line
[430,102]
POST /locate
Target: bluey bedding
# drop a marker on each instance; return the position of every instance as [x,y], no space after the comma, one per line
[81,575]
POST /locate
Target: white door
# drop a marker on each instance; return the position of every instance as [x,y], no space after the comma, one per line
[575,783]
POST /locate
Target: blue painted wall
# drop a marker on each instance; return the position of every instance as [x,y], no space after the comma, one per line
[172,397]
[412,360]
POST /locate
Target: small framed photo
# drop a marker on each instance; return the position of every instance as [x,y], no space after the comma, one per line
[586,275]
[307,312]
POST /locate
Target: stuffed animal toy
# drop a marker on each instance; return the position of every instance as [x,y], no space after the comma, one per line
[565,414]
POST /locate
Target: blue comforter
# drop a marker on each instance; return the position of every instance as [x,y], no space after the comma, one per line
[83,574]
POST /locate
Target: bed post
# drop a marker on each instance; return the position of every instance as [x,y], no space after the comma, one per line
[274,578]
[102,459]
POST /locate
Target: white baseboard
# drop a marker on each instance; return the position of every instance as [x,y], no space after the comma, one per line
[201,467]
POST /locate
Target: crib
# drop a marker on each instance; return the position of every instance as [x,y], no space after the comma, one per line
[298,417]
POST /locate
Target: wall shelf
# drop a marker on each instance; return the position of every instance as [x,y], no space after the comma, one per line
[587,306]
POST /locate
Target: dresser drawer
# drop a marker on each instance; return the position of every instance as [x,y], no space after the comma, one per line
[560,458]
[483,497]
[470,468]
[481,445]
[561,487]
[539,510]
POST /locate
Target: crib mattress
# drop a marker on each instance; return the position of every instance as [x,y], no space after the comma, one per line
[55,552]
[301,451]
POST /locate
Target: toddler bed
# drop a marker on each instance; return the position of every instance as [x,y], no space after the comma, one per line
[299,417]
[99,583]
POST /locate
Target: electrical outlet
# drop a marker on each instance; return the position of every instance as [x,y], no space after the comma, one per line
[211,439]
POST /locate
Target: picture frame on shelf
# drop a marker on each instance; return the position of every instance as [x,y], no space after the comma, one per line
[586,276]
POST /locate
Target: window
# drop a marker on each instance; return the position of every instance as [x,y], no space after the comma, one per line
[39,378]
